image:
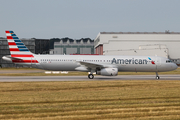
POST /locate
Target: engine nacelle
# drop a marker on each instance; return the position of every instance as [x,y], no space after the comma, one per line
[107,72]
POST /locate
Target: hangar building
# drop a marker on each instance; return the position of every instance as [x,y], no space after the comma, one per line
[70,46]
[166,44]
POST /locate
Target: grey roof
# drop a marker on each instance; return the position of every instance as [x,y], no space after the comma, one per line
[166,32]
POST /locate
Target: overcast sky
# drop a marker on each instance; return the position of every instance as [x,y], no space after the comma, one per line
[86,18]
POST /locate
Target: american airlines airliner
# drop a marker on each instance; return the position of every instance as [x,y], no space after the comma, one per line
[101,64]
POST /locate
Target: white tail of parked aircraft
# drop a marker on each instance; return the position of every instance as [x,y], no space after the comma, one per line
[101,64]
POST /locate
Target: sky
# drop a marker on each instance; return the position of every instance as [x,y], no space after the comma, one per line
[78,19]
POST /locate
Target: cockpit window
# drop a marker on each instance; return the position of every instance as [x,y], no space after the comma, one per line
[168,61]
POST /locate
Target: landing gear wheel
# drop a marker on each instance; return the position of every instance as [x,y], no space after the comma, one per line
[157,77]
[90,76]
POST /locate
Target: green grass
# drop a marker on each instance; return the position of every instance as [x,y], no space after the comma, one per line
[128,99]
[44,74]
[41,73]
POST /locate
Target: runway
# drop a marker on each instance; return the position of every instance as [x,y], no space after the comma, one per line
[84,78]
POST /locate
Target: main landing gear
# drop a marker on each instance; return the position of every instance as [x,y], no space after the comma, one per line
[90,76]
[157,77]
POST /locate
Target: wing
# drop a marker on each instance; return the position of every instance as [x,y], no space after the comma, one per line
[90,65]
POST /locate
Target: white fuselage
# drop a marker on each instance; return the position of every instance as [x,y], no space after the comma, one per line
[123,63]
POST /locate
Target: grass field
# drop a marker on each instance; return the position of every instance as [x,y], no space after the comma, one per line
[41,73]
[125,99]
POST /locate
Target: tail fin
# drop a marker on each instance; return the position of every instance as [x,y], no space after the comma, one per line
[19,52]
[16,47]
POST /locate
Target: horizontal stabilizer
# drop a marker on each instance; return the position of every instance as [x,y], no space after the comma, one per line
[9,58]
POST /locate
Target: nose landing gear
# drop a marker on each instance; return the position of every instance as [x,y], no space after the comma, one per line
[157,77]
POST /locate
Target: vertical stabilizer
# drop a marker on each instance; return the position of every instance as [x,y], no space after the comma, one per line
[19,52]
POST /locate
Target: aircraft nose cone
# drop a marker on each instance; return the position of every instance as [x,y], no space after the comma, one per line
[174,66]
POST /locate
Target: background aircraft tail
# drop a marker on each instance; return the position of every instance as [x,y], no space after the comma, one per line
[19,52]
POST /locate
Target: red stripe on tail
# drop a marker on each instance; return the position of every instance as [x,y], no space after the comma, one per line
[14,49]
[22,55]
[11,43]
[25,61]
[9,37]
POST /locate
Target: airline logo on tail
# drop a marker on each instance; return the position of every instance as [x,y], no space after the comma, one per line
[19,52]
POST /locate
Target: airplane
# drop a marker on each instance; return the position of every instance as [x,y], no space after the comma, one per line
[101,64]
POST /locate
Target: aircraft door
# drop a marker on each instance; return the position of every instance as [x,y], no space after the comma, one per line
[158,63]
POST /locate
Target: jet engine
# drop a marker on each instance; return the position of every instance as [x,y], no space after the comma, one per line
[107,72]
